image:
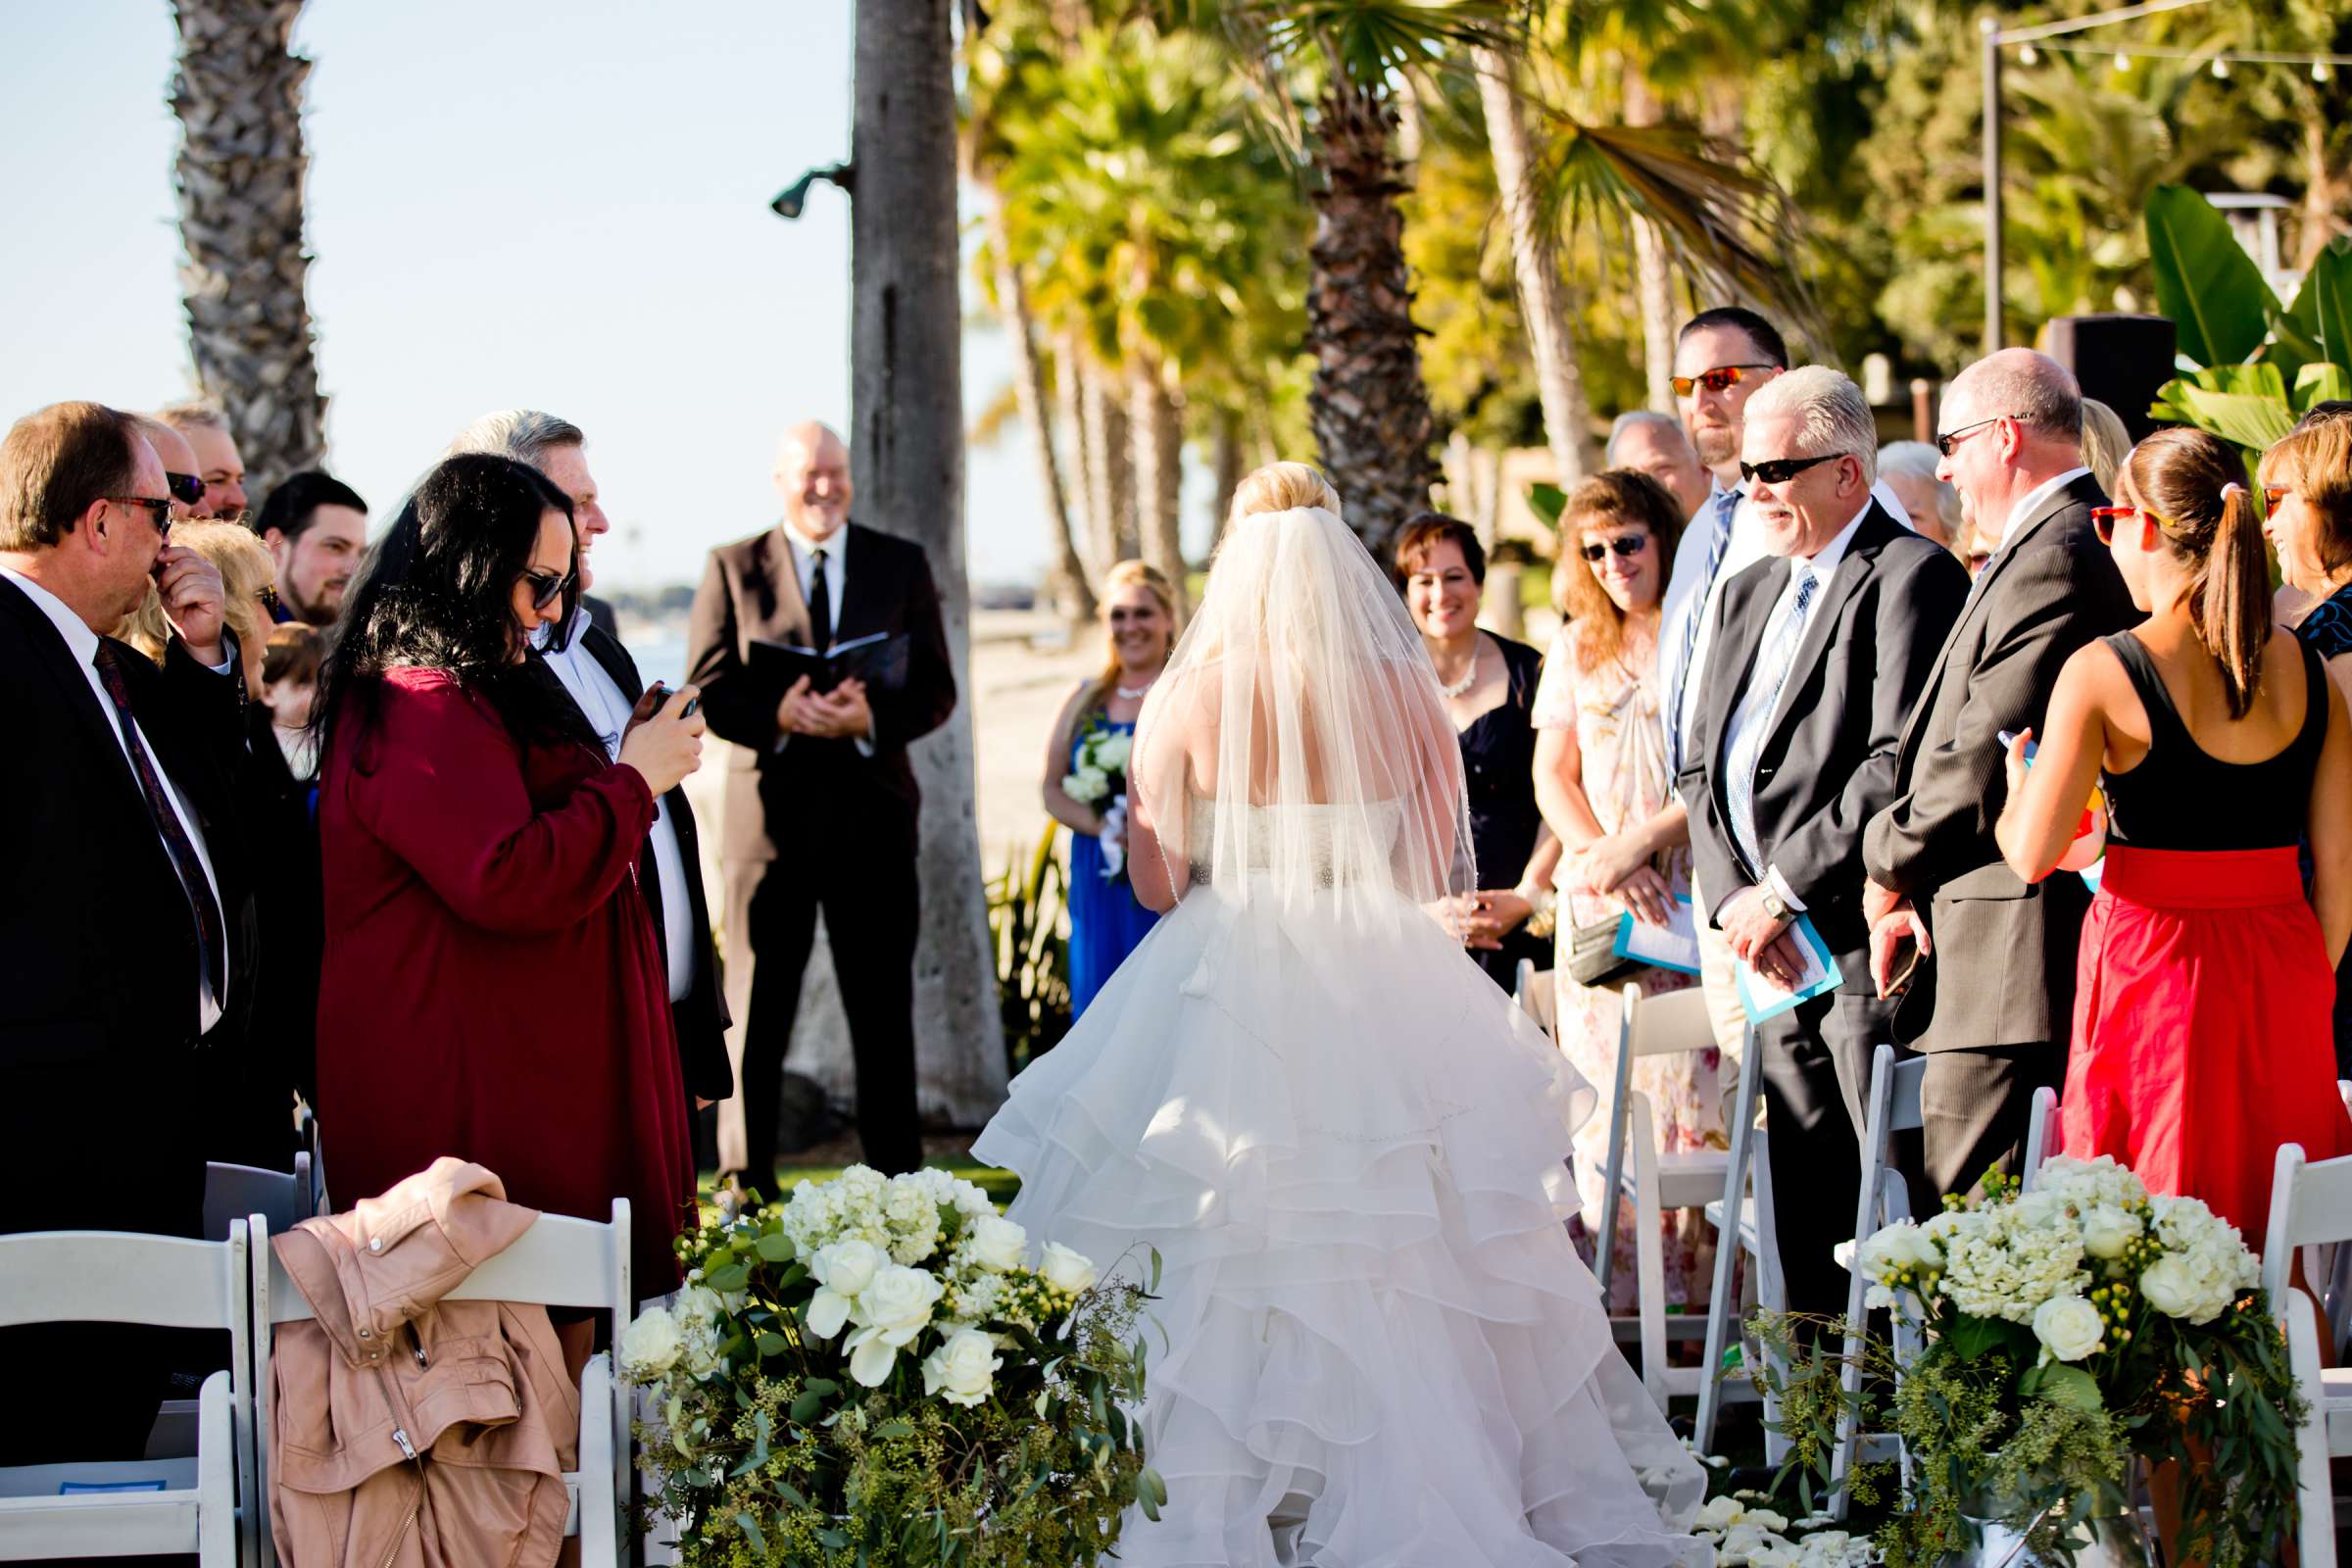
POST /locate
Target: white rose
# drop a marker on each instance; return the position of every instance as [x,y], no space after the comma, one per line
[997,1243]
[1064,1269]
[890,1312]
[2067,1327]
[962,1370]
[1087,784]
[1112,750]
[842,1269]
[651,1346]
[1884,1251]
[2108,1230]
[1920,1249]
[2176,1287]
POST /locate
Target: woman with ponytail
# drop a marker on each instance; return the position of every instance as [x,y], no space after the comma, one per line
[2202,1032]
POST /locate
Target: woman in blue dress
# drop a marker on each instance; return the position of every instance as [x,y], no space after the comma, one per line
[2307,513]
[1085,783]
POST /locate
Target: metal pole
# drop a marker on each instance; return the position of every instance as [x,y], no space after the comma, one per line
[1991,27]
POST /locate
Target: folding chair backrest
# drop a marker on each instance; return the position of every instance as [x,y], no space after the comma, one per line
[2310,1204]
[560,1261]
[1538,996]
[152,1281]
[1669,1022]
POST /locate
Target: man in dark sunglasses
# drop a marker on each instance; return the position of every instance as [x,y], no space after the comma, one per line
[1985,963]
[1820,650]
[179,466]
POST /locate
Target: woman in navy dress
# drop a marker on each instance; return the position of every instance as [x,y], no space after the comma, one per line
[1489,687]
[1139,623]
[2307,513]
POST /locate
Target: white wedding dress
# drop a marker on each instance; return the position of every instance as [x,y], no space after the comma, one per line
[1349,1149]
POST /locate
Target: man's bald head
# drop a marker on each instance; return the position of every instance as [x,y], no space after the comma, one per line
[2020,385]
[179,458]
[812,475]
[2011,422]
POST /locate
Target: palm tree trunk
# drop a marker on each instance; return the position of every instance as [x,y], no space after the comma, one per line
[1158,429]
[1368,405]
[906,445]
[1069,400]
[1112,476]
[1066,577]
[1654,281]
[238,96]
[1542,296]
[2325,187]
[1225,468]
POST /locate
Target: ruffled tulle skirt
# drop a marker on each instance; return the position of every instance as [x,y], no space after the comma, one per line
[1348,1149]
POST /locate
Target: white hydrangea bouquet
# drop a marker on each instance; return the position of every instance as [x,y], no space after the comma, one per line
[1101,776]
[883,1371]
[2071,1330]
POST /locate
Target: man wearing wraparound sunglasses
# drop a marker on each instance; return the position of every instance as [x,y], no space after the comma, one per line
[1986,963]
[1722,357]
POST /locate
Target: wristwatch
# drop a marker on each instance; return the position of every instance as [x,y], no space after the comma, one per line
[1774,904]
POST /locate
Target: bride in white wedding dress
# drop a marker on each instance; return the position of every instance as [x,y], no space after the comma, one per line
[1348,1146]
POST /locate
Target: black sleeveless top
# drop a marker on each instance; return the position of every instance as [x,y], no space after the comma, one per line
[2180,797]
[1499,762]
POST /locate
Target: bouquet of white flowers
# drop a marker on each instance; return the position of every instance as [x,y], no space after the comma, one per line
[2077,1327]
[878,1372]
[1100,775]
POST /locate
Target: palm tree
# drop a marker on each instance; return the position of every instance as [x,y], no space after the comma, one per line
[238,95]
[906,448]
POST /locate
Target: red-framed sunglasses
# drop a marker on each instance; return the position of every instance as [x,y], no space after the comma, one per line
[2103,521]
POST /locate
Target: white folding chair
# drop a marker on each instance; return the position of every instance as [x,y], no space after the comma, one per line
[2040,1121]
[1539,997]
[1747,1192]
[2311,1207]
[1893,1107]
[206,1504]
[560,1261]
[2324,1433]
[1657,1183]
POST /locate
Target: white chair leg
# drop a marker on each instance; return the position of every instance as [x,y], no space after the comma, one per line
[600,1510]
[217,1518]
[1650,1250]
[2316,1491]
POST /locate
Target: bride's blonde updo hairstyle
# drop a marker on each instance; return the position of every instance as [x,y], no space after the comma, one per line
[1281,487]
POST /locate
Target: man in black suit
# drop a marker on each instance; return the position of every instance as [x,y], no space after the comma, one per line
[125,906]
[1992,997]
[602,681]
[1820,649]
[822,804]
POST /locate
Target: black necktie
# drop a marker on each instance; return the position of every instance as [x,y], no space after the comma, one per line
[182,850]
[820,603]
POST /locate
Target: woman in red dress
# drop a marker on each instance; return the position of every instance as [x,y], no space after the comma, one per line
[2203,1035]
[492,987]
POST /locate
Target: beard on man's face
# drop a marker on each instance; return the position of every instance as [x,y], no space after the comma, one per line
[1716,443]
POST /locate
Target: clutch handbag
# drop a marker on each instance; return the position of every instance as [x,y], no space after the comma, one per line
[1592,955]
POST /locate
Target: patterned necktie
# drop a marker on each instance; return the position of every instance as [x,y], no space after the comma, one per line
[1771,675]
[185,858]
[820,603]
[1727,502]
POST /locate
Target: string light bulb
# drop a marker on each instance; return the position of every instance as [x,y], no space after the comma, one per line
[2028,55]
[2320,70]
[2123,61]
[2221,67]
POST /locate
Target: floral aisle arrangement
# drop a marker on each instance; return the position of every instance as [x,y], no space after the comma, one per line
[2070,1331]
[875,1374]
[1100,779]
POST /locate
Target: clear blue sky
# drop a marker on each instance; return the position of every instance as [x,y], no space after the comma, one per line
[560,204]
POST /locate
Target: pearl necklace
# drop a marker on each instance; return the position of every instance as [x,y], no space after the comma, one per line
[1128,694]
[1469,678]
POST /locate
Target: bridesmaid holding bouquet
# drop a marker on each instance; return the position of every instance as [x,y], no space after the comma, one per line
[1085,777]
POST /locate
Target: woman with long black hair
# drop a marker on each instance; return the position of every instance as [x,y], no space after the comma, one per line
[492,987]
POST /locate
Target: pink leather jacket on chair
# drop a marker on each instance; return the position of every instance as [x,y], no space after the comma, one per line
[409,1433]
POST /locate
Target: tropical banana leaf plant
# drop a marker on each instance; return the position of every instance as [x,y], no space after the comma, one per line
[2258,366]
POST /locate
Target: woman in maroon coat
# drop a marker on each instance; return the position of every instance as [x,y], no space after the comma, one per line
[492,986]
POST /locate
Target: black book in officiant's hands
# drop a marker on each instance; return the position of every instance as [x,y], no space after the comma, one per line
[879,661]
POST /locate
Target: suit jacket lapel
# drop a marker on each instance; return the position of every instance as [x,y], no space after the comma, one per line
[1745,606]
[787,610]
[614,659]
[57,661]
[1822,617]
[859,564]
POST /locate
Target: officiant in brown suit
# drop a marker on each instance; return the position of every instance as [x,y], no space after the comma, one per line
[821,805]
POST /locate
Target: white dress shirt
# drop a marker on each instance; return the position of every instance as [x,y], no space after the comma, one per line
[1682,598]
[608,708]
[2026,508]
[81,643]
[1751,709]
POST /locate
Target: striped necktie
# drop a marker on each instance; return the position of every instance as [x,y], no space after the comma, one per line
[1727,502]
[1740,764]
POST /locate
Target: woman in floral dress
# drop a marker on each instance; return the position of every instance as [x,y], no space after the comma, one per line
[1601,778]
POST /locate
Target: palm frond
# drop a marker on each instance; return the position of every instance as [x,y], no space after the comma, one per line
[1728,224]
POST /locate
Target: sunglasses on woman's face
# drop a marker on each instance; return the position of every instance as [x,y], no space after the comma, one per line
[546,587]
[2104,519]
[1628,545]
[2273,496]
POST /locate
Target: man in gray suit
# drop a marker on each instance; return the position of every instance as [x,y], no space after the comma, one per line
[1992,996]
[1820,650]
